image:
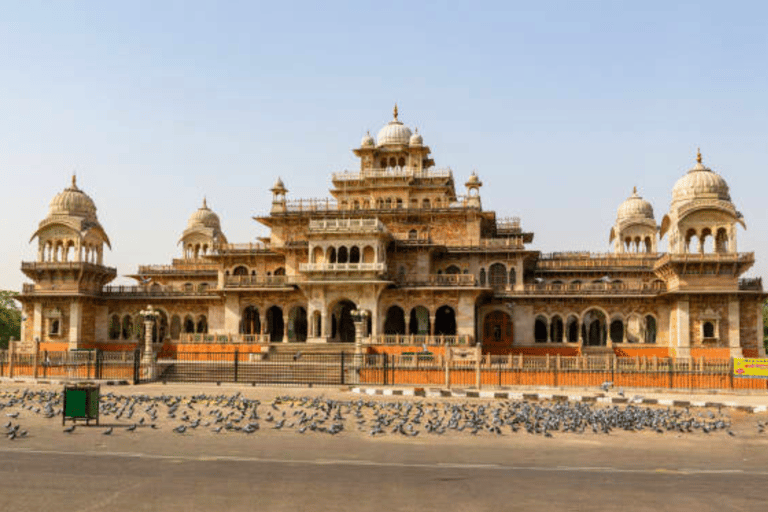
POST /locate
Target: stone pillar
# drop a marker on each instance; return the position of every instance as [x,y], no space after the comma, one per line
[519,274]
[734,327]
[431,325]
[37,322]
[465,316]
[759,327]
[148,359]
[75,324]
[682,346]
[232,313]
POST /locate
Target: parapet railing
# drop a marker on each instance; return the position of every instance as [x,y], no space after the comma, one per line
[342,267]
[187,268]
[391,172]
[435,279]
[346,225]
[751,284]
[223,338]
[257,281]
[594,288]
[159,291]
[419,339]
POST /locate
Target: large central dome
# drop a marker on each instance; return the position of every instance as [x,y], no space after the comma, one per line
[394,133]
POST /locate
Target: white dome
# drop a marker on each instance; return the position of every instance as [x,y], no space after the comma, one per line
[394,133]
[700,182]
[416,139]
[635,207]
[204,217]
[367,141]
[73,202]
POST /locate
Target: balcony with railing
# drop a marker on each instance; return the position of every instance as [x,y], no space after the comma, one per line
[418,340]
[392,172]
[509,225]
[434,280]
[588,260]
[158,291]
[754,284]
[488,244]
[327,205]
[187,268]
[199,338]
[327,226]
[607,288]
[343,267]
[252,247]
[258,281]
[28,266]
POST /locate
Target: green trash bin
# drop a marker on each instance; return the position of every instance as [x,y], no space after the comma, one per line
[81,402]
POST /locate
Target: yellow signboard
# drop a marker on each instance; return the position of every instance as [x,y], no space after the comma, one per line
[750,367]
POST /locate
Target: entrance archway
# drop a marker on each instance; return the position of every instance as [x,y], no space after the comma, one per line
[594,331]
[395,321]
[497,333]
[297,324]
[342,326]
[419,321]
[275,324]
[251,323]
[445,321]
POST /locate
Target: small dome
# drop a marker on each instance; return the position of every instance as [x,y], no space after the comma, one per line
[204,217]
[416,139]
[278,185]
[700,182]
[367,141]
[394,133]
[73,202]
[635,207]
[473,181]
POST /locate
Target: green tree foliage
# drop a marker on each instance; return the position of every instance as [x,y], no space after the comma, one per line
[10,317]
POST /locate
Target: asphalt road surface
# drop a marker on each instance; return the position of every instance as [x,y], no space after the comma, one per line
[155,469]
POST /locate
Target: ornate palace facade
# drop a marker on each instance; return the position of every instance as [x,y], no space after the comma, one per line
[428,266]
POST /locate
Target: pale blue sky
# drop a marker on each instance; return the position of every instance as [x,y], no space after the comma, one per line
[561,107]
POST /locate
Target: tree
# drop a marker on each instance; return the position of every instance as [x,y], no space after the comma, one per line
[10,317]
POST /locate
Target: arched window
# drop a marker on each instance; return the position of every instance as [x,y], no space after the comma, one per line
[709,330]
[556,330]
[354,254]
[572,330]
[251,323]
[419,321]
[445,321]
[413,234]
[331,255]
[593,330]
[650,329]
[343,255]
[617,331]
[425,203]
[114,327]
[279,271]
[202,325]
[482,277]
[189,325]
[297,324]
[540,330]
[202,287]
[497,276]
[395,321]
[453,269]
[127,327]
[188,287]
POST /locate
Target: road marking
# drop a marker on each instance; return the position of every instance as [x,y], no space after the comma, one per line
[371,463]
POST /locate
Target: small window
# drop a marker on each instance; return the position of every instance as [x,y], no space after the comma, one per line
[55,327]
[709,330]
[202,287]
[413,234]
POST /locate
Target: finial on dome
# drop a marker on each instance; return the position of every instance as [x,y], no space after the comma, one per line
[698,155]
[395,112]
[634,190]
[74,180]
[205,203]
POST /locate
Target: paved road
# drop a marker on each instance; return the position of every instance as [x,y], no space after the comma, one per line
[278,470]
[288,476]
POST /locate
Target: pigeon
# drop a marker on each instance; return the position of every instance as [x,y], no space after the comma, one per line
[107,432]
[69,430]
[180,429]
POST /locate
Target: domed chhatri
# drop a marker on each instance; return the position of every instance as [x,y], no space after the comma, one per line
[416,139]
[73,202]
[204,217]
[700,182]
[635,207]
[394,133]
[367,141]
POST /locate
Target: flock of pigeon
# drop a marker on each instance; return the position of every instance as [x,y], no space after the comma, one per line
[237,414]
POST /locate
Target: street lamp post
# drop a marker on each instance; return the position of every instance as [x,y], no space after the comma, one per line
[359,318]
[147,359]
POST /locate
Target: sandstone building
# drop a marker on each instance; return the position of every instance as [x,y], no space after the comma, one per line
[430,267]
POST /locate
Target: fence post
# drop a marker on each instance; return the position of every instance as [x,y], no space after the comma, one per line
[671,372]
[237,362]
[730,372]
[478,364]
[46,362]
[99,361]
[386,357]
[342,368]
[557,370]
[447,360]
[613,369]
[136,360]
[10,357]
